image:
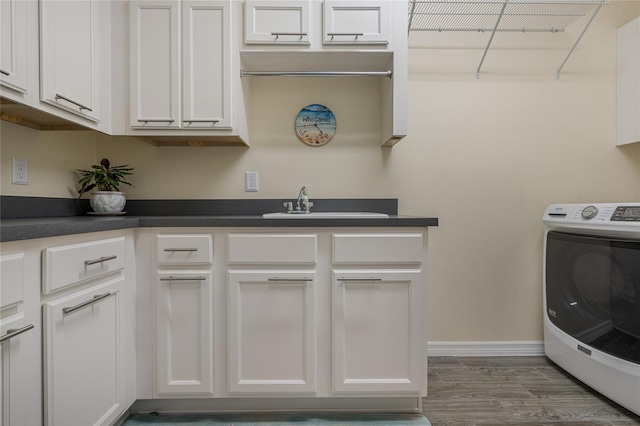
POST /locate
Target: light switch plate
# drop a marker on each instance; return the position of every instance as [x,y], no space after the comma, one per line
[250,181]
[19,171]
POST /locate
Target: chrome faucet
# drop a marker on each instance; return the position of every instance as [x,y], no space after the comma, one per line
[304,197]
[303,205]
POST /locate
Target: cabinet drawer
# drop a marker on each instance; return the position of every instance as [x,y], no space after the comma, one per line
[65,266]
[272,248]
[184,249]
[377,248]
[11,279]
[356,22]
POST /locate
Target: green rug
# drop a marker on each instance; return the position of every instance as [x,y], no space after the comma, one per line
[276,419]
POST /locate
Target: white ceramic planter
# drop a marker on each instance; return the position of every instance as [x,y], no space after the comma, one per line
[107,201]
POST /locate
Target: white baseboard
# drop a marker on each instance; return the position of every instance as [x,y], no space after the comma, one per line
[513,348]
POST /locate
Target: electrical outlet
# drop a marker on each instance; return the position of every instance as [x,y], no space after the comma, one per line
[250,181]
[19,171]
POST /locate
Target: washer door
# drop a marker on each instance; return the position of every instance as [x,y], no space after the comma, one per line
[593,291]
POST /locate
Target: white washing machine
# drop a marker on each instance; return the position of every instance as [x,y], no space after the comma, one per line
[592,296]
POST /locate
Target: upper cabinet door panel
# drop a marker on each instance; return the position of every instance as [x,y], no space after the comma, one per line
[69,53]
[155,66]
[276,22]
[13,47]
[356,22]
[206,67]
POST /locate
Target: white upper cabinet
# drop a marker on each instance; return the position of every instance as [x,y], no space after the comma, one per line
[13,47]
[276,22]
[628,100]
[355,22]
[180,64]
[70,65]
[206,59]
[154,62]
[317,25]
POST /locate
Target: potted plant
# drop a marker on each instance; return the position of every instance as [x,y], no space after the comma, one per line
[103,180]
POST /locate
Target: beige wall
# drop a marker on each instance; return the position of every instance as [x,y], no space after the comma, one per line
[485,156]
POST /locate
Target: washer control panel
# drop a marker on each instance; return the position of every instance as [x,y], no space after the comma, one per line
[627,214]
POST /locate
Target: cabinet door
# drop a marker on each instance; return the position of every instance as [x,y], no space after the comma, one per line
[356,22]
[377,331]
[13,48]
[206,66]
[83,348]
[69,52]
[271,331]
[154,64]
[13,363]
[184,333]
[276,22]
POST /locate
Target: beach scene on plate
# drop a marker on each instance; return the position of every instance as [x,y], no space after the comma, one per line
[315,125]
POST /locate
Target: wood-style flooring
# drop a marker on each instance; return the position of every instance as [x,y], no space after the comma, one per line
[523,391]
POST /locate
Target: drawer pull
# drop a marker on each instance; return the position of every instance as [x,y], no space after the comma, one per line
[80,106]
[97,298]
[13,332]
[276,279]
[102,259]
[4,72]
[183,278]
[361,280]
[181,249]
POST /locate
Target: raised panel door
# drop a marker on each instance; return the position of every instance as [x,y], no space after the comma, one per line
[271,332]
[356,22]
[83,352]
[154,64]
[184,333]
[376,319]
[70,65]
[206,66]
[13,45]
[276,22]
[14,331]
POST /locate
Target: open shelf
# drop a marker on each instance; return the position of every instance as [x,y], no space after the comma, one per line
[501,16]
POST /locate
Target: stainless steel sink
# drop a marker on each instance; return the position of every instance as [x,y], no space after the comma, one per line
[326,215]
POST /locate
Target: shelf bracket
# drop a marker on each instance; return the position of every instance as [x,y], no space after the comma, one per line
[493,33]
[584,30]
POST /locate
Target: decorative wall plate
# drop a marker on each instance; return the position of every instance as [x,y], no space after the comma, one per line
[315,125]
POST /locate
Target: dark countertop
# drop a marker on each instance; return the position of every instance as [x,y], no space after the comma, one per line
[41,227]
[25,218]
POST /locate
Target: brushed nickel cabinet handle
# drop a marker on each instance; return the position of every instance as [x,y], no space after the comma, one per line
[79,105]
[101,260]
[183,278]
[181,249]
[4,72]
[156,120]
[356,35]
[276,279]
[13,332]
[97,298]
[361,280]
[201,121]
[289,34]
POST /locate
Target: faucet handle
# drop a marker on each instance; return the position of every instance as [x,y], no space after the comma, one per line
[288,205]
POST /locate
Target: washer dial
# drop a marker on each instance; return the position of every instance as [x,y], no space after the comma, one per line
[589,212]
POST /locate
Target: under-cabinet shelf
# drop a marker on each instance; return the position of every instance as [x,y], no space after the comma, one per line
[501,16]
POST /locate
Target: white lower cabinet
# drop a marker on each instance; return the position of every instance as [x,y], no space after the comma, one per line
[84,376]
[271,331]
[15,398]
[184,334]
[377,331]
